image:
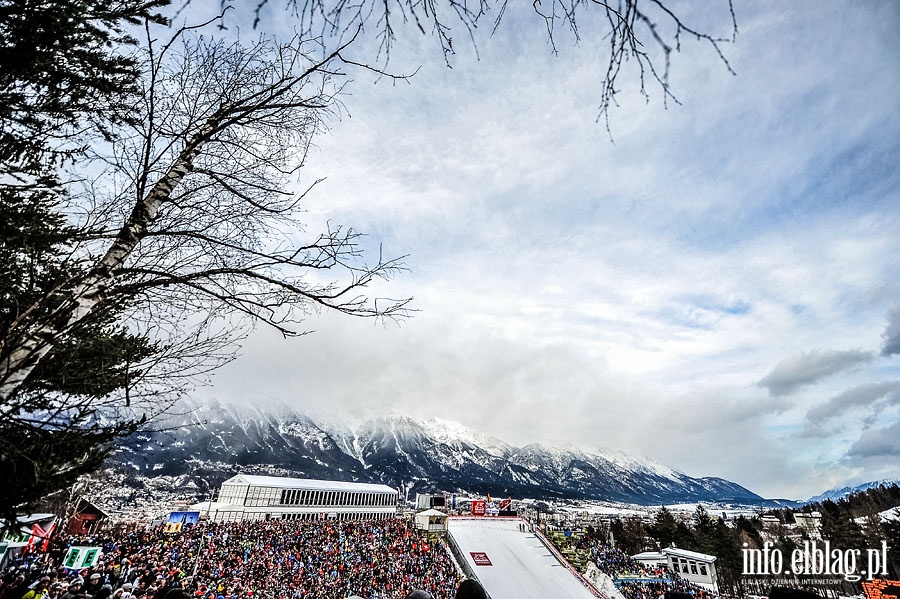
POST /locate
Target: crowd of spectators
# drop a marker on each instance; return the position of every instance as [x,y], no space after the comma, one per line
[627,574]
[653,589]
[618,564]
[276,559]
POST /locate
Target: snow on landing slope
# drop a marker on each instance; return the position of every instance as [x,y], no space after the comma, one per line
[521,566]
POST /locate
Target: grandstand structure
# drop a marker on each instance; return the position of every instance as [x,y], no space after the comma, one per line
[251,497]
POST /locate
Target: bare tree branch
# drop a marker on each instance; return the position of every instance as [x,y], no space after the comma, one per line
[210,162]
[632,30]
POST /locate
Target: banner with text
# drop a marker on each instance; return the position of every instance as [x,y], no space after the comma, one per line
[78,558]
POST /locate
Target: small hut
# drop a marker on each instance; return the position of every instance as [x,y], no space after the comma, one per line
[87,518]
[432,521]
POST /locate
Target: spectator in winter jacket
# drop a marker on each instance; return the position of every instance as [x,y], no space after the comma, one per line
[95,582]
[76,589]
[39,590]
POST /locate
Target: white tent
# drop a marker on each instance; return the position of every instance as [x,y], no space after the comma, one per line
[432,520]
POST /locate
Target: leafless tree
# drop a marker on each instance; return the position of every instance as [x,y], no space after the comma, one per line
[643,33]
[190,214]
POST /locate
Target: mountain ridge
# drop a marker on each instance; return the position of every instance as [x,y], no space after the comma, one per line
[840,492]
[208,443]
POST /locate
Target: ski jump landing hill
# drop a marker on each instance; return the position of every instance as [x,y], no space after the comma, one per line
[511,562]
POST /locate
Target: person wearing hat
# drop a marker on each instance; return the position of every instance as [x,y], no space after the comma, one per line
[94,584]
[82,594]
[76,588]
[39,589]
[56,591]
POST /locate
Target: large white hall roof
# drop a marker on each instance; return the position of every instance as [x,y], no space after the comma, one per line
[285,482]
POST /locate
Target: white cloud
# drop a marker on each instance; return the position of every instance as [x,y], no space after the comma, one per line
[632,294]
[892,333]
[872,397]
[881,443]
[809,368]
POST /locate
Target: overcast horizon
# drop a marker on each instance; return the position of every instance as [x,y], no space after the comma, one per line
[716,288]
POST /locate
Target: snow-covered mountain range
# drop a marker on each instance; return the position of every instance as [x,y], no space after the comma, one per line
[206,444]
[840,493]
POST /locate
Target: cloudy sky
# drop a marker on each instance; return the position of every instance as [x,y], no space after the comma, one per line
[716,288]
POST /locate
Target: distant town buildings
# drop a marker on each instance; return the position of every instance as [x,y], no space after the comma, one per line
[810,523]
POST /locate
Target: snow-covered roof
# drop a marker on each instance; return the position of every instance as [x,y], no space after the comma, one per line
[85,505]
[700,557]
[205,507]
[649,555]
[285,482]
[32,518]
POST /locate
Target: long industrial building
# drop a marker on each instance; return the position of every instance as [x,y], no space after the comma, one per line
[251,497]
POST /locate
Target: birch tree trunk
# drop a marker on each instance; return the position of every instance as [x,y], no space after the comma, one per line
[197,238]
[20,362]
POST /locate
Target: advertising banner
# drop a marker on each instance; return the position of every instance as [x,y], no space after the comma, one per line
[78,558]
[480,558]
[179,519]
[479,507]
